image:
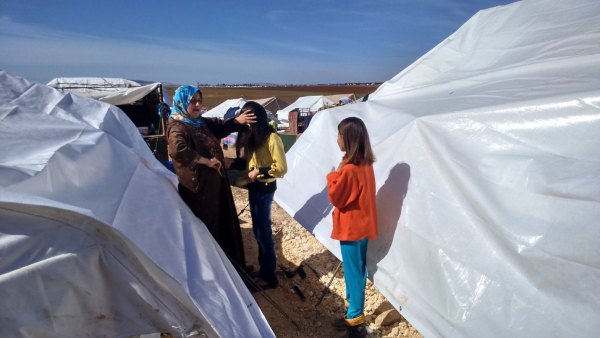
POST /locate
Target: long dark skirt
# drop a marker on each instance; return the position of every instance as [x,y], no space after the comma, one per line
[215,207]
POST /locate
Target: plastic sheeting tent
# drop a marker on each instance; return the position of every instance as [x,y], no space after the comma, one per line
[488,176]
[336,98]
[94,238]
[306,102]
[220,110]
[272,103]
[110,90]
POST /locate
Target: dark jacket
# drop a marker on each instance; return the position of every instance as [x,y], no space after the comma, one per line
[188,143]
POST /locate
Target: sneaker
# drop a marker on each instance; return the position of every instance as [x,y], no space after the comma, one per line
[344,323]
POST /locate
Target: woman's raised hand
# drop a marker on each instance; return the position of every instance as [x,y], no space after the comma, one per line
[246,117]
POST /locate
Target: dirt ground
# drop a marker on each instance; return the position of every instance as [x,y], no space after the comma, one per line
[296,247]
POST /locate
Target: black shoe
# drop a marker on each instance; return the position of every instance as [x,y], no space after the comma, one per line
[248,269]
[358,331]
[264,285]
[343,323]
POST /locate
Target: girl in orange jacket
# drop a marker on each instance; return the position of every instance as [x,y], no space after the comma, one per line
[351,190]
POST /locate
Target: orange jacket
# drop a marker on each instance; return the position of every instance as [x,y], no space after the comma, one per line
[351,190]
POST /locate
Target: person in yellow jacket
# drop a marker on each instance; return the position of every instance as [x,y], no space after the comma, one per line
[264,153]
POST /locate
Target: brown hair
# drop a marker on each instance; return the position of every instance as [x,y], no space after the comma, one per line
[356,141]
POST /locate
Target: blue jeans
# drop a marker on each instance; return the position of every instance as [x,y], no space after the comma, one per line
[354,257]
[260,209]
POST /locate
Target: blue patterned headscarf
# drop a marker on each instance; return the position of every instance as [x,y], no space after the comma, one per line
[181,100]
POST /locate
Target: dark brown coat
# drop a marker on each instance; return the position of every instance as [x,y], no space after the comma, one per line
[206,190]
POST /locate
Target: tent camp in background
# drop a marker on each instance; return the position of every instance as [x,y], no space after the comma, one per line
[115,91]
[337,97]
[228,106]
[272,104]
[140,103]
[488,176]
[312,103]
[94,237]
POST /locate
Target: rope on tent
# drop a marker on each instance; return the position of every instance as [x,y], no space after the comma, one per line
[160,107]
[246,277]
[243,209]
[317,314]
[329,284]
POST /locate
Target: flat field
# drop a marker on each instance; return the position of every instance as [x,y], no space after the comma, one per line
[213,96]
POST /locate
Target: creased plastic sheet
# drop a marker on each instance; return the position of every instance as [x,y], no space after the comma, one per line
[488,177]
[120,96]
[94,238]
[82,83]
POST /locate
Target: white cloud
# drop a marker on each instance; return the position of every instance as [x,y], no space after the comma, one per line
[40,54]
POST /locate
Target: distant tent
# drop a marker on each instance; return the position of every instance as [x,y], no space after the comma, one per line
[110,90]
[140,103]
[94,237]
[313,103]
[488,176]
[272,117]
[345,100]
[231,112]
[337,97]
[272,103]
[222,109]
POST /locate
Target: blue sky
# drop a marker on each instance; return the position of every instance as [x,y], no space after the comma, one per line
[223,41]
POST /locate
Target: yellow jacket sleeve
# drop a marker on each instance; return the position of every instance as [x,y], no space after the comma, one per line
[279,165]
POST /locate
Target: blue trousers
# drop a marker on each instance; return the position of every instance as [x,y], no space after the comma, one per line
[354,256]
[260,209]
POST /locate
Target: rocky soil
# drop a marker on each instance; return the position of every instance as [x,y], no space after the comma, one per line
[296,247]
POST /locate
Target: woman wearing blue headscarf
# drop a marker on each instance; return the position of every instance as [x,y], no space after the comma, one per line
[194,145]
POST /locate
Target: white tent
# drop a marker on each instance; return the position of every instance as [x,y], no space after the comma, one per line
[306,102]
[337,97]
[488,176]
[115,91]
[94,239]
[220,110]
[95,83]
[272,103]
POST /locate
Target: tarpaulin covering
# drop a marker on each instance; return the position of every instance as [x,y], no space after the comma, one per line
[488,176]
[220,110]
[97,83]
[306,102]
[231,139]
[115,91]
[94,238]
[272,103]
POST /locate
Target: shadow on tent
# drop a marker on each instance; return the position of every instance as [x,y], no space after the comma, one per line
[314,210]
[390,198]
